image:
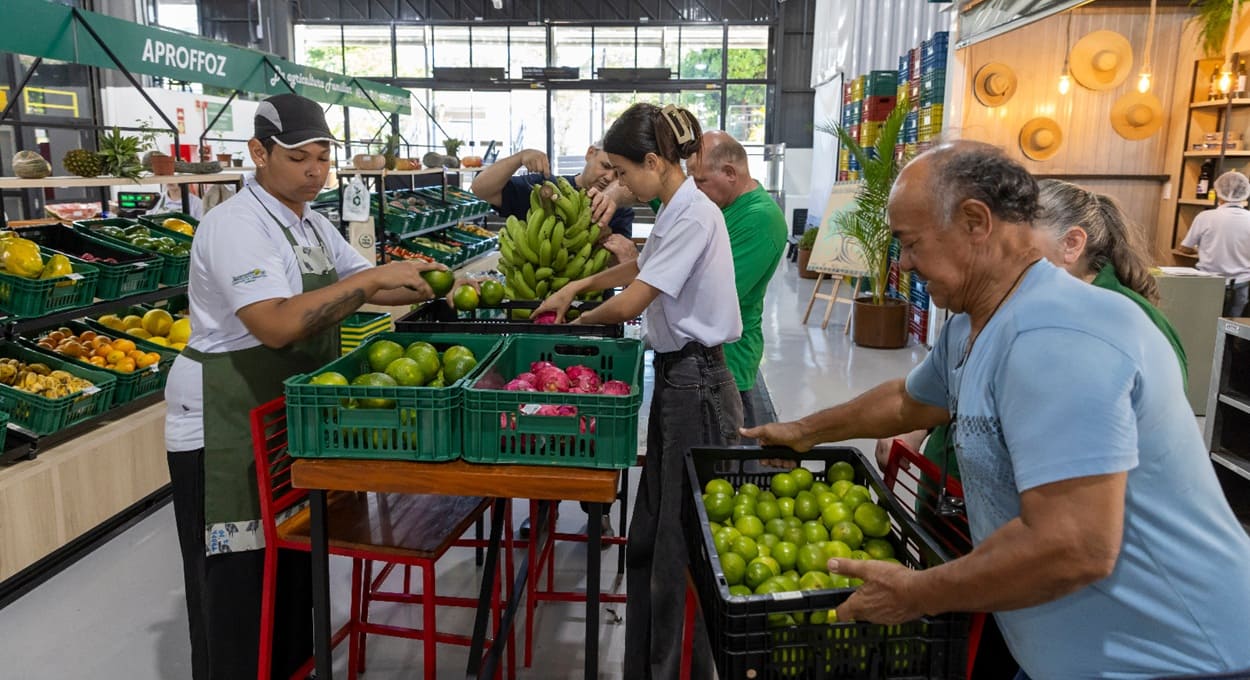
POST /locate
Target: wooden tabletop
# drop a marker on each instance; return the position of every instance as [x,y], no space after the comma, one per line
[458,478]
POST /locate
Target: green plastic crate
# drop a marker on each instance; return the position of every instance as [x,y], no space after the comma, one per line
[24,297]
[175,269]
[424,424]
[501,427]
[358,327]
[136,271]
[130,386]
[155,220]
[44,416]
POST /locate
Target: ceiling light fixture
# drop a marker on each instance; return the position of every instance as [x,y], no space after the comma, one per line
[1065,78]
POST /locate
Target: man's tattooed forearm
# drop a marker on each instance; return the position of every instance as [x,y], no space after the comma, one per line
[329,314]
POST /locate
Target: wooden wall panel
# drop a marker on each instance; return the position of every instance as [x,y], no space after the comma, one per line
[1090,145]
[72,488]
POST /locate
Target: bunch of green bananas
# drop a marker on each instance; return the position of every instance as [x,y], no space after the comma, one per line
[555,244]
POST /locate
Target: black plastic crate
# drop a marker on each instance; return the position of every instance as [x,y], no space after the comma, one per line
[436,316]
[743,642]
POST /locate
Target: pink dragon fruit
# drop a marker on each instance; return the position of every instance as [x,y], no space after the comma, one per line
[566,410]
[584,379]
[546,318]
[528,377]
[616,388]
[518,385]
[582,425]
[537,366]
[552,380]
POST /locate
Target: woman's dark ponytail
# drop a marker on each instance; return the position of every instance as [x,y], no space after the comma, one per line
[671,132]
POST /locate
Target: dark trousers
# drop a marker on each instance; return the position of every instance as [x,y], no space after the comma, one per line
[695,402]
[224,592]
[748,409]
[1236,299]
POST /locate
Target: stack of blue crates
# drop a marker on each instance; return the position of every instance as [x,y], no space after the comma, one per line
[911,127]
[933,68]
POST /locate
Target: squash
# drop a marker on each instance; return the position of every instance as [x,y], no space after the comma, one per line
[471,161]
[30,165]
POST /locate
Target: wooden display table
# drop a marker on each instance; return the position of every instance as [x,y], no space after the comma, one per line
[458,478]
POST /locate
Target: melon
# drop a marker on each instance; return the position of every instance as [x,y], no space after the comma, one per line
[30,165]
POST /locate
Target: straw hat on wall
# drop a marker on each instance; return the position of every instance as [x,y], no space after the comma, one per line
[1137,116]
[1101,60]
[1040,138]
[994,84]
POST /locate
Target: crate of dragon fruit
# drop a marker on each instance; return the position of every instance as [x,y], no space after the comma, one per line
[547,400]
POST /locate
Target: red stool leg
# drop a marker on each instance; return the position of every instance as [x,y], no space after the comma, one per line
[687,634]
[355,633]
[428,610]
[532,567]
[366,596]
[265,655]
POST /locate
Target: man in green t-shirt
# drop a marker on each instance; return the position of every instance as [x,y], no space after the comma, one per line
[757,236]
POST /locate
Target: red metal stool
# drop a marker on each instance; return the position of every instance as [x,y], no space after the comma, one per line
[909,469]
[396,529]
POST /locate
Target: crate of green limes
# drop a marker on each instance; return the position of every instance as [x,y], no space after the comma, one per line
[759,546]
[398,396]
[173,248]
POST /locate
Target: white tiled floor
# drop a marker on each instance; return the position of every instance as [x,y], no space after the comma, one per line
[119,612]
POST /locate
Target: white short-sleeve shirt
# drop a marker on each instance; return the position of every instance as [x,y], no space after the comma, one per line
[1222,239]
[688,259]
[239,257]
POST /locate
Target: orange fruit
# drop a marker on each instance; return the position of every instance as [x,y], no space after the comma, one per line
[101,340]
[97,361]
[115,357]
[86,336]
[126,365]
[137,355]
[124,346]
[149,359]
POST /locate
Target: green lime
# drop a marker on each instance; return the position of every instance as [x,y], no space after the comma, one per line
[734,568]
[840,470]
[718,485]
[382,353]
[440,281]
[407,372]
[375,380]
[328,378]
[492,292]
[457,367]
[465,298]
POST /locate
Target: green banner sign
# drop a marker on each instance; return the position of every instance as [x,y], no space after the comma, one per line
[52,31]
[226,122]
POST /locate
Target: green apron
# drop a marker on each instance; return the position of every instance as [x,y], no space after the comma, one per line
[236,382]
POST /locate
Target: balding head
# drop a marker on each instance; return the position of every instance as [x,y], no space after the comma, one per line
[961,213]
[720,168]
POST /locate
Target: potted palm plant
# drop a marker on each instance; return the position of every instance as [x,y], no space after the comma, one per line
[879,320]
[806,242]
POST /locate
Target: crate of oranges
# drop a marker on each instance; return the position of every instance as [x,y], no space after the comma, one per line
[152,326]
[141,368]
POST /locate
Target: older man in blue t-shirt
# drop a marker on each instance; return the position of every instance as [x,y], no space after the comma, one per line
[1103,542]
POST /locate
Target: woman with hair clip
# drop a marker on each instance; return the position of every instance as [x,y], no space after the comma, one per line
[682,285]
[1088,235]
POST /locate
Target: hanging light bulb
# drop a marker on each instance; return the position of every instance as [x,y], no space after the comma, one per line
[1226,81]
[1143,78]
[1065,81]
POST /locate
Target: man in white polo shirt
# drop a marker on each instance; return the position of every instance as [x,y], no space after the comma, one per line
[1221,238]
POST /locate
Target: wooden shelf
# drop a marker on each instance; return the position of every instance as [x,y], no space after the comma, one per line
[71,181]
[1219,104]
[1240,153]
[1198,202]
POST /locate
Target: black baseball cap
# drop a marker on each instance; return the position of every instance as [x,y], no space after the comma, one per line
[291,120]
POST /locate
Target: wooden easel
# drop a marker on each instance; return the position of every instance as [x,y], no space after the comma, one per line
[830,299]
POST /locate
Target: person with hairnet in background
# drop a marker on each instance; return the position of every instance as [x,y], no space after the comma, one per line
[1221,239]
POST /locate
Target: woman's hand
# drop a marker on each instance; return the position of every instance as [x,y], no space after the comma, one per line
[558,302]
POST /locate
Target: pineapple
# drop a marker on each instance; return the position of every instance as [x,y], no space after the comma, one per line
[82,163]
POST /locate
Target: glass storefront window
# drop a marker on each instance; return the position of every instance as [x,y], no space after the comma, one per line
[367,50]
[319,47]
[744,112]
[701,52]
[657,47]
[748,52]
[614,48]
[572,48]
[451,46]
[412,51]
[490,46]
[529,48]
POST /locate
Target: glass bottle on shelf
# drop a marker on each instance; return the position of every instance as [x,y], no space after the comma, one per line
[1213,88]
[1240,82]
[1205,175]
